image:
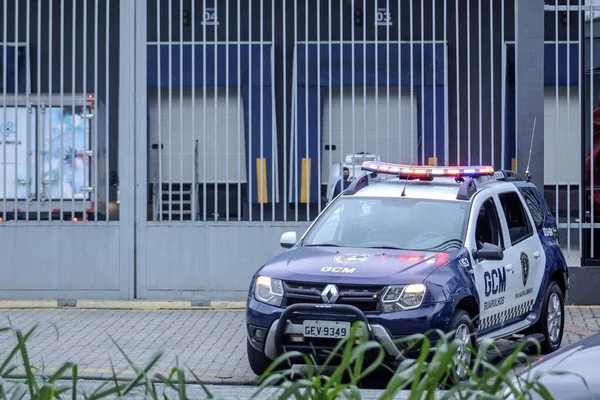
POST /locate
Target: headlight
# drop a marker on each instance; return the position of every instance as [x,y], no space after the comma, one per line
[398,298]
[268,290]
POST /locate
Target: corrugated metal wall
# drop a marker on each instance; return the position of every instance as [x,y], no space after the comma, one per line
[161,148]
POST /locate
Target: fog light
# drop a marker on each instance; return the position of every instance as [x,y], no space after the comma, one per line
[259,334]
[297,338]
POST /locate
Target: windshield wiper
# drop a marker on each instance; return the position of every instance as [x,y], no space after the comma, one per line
[385,247]
[448,244]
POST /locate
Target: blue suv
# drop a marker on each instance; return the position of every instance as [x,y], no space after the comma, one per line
[408,249]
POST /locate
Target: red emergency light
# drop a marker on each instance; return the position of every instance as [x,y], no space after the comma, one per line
[408,171]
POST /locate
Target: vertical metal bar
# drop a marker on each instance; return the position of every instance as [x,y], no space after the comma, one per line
[4,97]
[30,109]
[285,103]
[250,108]
[47,119]
[96,144]
[295,111]
[446,88]
[434,70]
[73,74]
[593,158]
[568,131]
[62,104]
[503,94]
[319,176]
[16,83]
[353,77]
[215,112]
[342,83]
[181,129]
[422,68]
[86,170]
[107,115]
[193,116]
[330,92]
[261,121]
[204,117]
[458,85]
[364,88]
[170,80]
[581,49]
[240,122]
[412,82]
[387,76]
[39,118]
[556,108]
[306,129]
[469,117]
[274,131]
[400,87]
[227,111]
[375,30]
[492,75]
[480,83]
[158,181]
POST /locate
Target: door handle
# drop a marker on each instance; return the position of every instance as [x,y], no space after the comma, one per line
[536,254]
[508,267]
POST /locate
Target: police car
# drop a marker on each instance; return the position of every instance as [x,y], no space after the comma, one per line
[408,250]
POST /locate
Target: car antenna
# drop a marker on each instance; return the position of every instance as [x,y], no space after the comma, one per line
[411,164]
[527,174]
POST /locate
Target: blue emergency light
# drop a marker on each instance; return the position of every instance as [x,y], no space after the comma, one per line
[416,172]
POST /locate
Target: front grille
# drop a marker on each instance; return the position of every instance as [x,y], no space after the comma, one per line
[364,297]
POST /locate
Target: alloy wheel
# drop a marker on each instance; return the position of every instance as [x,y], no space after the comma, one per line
[554,320]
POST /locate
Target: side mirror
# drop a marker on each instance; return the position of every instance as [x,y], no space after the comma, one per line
[288,240]
[489,252]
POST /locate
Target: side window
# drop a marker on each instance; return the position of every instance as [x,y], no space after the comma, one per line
[519,226]
[487,229]
[535,207]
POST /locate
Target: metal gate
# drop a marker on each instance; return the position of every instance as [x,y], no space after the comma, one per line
[203,130]
[60,217]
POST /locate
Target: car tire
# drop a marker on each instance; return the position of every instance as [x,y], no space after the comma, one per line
[259,363]
[551,323]
[463,329]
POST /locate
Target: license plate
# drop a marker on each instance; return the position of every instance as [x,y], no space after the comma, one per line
[326,329]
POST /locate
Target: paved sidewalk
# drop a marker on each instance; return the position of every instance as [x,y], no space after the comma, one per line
[211,343]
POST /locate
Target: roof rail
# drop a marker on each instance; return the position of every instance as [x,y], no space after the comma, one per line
[507,175]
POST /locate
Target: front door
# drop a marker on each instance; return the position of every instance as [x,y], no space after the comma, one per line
[494,279]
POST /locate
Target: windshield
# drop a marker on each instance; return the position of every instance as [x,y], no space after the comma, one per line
[397,223]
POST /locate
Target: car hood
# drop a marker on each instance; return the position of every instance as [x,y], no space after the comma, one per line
[342,264]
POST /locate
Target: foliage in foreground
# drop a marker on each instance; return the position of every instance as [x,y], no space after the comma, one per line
[423,376]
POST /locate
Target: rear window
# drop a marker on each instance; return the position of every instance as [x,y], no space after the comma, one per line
[409,224]
[535,207]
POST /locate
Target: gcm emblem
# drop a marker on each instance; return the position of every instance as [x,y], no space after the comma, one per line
[352,258]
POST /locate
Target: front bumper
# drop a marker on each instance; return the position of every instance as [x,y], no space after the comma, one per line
[386,329]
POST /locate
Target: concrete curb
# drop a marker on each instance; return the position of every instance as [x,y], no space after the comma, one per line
[126,377]
[128,305]
[142,305]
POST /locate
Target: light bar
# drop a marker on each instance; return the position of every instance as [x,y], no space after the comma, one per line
[416,172]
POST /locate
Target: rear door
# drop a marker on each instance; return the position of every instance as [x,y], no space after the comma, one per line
[524,249]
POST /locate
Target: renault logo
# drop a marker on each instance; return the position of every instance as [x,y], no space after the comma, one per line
[330,294]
